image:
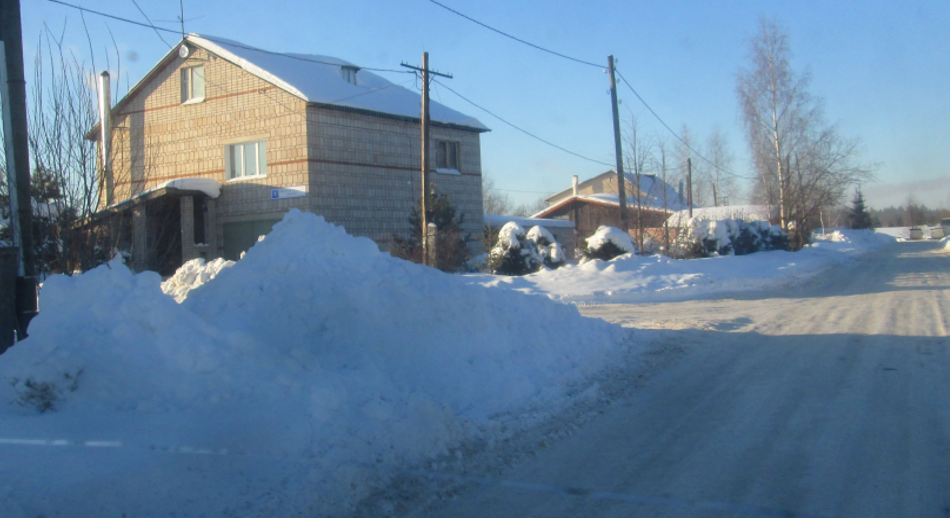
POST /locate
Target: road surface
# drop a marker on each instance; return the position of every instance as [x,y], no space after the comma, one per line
[826,399]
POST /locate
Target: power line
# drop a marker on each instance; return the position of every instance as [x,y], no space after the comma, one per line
[150,22]
[665,125]
[221,41]
[526,132]
[519,40]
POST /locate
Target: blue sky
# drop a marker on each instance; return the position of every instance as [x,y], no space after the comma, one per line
[882,69]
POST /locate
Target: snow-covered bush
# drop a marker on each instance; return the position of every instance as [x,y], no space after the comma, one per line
[550,251]
[512,254]
[711,238]
[607,243]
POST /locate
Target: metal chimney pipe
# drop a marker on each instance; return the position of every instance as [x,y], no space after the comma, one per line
[105,124]
[575,185]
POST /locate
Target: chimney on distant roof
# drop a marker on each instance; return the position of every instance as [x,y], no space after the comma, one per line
[575,185]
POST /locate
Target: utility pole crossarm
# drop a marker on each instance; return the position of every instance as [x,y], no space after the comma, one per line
[423,69]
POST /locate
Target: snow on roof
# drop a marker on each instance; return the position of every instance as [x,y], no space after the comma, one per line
[655,194]
[497,220]
[209,186]
[318,79]
[743,212]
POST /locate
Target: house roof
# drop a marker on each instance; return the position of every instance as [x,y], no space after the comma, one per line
[655,194]
[317,80]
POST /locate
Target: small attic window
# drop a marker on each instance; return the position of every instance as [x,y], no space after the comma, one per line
[348,73]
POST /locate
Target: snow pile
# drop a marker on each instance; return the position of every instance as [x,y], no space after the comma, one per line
[192,274]
[849,240]
[614,235]
[305,373]
[631,279]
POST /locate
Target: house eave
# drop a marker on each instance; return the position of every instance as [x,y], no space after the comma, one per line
[391,116]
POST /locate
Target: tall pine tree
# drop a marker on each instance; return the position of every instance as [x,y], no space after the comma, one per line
[859,215]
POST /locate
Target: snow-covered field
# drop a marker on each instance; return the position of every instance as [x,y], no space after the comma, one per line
[631,278]
[306,374]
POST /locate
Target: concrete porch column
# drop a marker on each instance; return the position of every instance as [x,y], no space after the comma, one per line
[139,238]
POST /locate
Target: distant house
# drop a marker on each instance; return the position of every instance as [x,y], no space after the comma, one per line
[220,139]
[596,202]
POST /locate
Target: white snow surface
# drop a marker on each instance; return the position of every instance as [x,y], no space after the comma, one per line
[616,236]
[510,235]
[631,278]
[317,79]
[288,385]
[537,233]
[209,186]
[743,212]
[496,220]
[192,274]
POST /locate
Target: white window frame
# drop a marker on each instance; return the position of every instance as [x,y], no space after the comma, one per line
[237,170]
[193,91]
[443,164]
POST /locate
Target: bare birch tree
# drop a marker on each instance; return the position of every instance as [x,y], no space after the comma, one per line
[801,162]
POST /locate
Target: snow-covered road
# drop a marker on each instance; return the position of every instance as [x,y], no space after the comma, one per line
[827,399]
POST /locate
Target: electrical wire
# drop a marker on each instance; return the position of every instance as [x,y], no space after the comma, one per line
[222,41]
[665,125]
[526,132]
[149,20]
[519,40]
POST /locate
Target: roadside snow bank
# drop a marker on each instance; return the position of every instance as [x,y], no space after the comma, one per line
[628,279]
[305,374]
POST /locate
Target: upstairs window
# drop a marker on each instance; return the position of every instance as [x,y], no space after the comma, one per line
[447,154]
[348,73]
[192,85]
[246,160]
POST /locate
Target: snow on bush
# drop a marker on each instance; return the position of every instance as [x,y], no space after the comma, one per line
[512,254]
[316,365]
[550,251]
[711,238]
[607,243]
[192,274]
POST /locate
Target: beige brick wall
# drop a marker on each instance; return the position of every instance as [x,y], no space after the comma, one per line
[189,140]
[365,172]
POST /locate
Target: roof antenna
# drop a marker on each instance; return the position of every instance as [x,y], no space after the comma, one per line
[181,17]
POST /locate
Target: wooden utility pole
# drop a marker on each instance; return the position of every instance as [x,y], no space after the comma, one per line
[424,70]
[18,158]
[618,147]
[689,185]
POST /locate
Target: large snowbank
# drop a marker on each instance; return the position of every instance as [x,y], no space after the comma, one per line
[285,386]
[629,278]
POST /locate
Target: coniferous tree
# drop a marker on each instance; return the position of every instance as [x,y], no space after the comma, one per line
[859,215]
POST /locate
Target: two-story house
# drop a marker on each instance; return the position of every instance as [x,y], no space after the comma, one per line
[220,139]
